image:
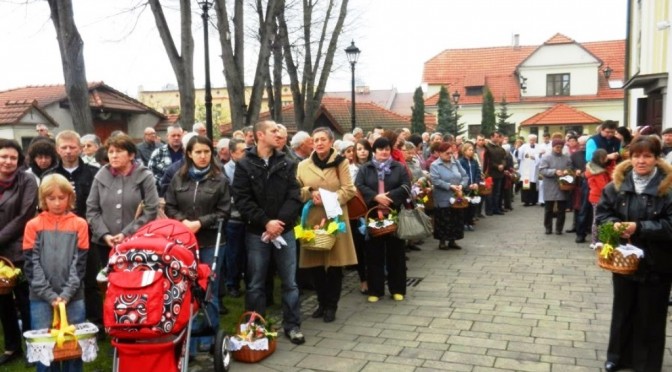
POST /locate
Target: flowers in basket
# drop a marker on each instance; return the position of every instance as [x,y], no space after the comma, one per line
[459,200]
[380,223]
[8,272]
[319,237]
[613,256]
[253,340]
[9,275]
[423,190]
[485,186]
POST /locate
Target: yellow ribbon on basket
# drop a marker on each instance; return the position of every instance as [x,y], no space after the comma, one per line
[606,251]
[60,327]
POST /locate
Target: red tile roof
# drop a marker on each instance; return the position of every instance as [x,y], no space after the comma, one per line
[457,68]
[561,114]
[559,39]
[11,112]
[101,96]
[336,112]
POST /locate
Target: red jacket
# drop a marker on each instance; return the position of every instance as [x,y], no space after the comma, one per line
[598,178]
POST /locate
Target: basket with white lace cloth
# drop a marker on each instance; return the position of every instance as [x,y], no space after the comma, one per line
[40,343]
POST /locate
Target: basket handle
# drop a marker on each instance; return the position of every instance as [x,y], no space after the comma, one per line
[378,208]
[304,213]
[253,315]
[8,261]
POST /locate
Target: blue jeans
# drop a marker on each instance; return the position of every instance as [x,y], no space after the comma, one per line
[41,316]
[199,322]
[258,259]
[235,253]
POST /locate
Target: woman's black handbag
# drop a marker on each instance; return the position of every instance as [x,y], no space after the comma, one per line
[413,223]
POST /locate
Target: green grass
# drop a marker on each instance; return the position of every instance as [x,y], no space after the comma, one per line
[236,307]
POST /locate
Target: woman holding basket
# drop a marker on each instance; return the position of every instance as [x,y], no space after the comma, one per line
[639,201]
[326,169]
[381,182]
[450,182]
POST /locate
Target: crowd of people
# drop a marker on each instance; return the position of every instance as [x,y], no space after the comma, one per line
[258,181]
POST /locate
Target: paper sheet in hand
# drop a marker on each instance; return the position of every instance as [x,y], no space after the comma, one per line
[330,202]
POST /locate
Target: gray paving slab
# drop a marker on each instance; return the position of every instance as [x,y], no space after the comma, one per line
[513,299]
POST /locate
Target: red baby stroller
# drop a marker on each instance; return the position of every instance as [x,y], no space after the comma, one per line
[154,281]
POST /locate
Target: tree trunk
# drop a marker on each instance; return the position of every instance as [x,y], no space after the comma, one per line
[71,47]
[307,96]
[183,62]
[234,71]
[243,114]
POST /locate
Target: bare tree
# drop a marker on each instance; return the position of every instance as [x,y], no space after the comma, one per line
[182,62]
[233,58]
[71,47]
[307,95]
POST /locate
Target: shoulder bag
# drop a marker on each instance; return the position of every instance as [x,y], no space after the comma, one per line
[413,223]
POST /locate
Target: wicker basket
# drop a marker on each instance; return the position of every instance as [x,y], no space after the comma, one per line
[7,284]
[69,350]
[322,242]
[484,190]
[379,231]
[247,355]
[564,186]
[618,264]
[463,203]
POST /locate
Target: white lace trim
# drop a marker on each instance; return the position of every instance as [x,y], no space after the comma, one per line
[237,344]
[40,344]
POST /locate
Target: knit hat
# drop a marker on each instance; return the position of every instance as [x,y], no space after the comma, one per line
[343,145]
[557,142]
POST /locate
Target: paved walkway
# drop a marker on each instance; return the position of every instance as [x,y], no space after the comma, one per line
[513,299]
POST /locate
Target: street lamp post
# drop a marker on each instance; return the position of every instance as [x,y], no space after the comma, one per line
[353,54]
[456,100]
[205,6]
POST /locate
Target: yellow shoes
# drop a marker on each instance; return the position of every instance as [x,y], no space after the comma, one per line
[373,298]
[398,297]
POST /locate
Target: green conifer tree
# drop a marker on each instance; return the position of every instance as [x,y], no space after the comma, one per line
[488,113]
[418,112]
[503,125]
[445,118]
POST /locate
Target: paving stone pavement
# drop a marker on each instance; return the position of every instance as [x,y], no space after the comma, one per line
[513,299]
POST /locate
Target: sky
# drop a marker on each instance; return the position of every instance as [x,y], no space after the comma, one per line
[396,37]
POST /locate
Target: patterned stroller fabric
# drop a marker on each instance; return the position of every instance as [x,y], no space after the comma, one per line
[150,281]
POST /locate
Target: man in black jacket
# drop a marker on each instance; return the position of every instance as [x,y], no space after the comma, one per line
[267,195]
[80,175]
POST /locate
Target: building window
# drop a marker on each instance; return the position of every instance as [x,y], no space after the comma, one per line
[557,85]
[474,91]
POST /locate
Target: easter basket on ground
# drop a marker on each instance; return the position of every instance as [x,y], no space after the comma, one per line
[615,257]
[253,340]
[320,237]
[8,276]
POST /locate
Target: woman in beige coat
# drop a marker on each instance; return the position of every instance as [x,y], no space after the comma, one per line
[327,170]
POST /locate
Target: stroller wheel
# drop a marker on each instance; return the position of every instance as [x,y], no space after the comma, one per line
[222,353]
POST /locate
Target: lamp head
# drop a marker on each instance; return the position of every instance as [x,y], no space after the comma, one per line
[607,72]
[352,52]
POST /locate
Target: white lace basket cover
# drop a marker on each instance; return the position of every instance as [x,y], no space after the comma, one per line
[236,344]
[40,344]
